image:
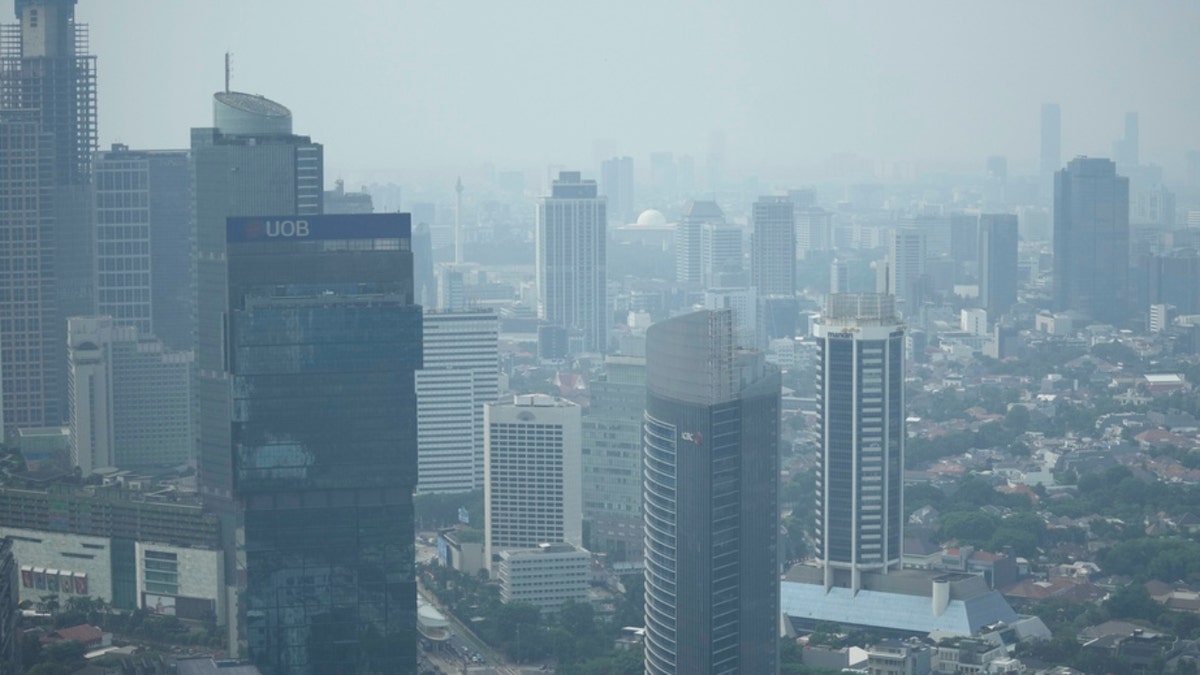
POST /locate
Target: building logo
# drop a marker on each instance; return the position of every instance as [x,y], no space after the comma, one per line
[254,230]
[693,437]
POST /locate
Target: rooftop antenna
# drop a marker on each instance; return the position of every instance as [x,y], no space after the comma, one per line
[228,69]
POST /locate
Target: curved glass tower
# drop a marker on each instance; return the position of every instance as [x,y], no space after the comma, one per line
[710,496]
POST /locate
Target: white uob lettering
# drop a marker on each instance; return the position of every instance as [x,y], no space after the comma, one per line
[287,228]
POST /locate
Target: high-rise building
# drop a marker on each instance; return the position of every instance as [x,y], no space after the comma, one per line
[324,341]
[338,200]
[616,184]
[1051,148]
[424,280]
[612,458]
[814,230]
[532,474]
[744,303]
[997,263]
[689,239]
[143,251]
[860,411]
[721,255]
[48,100]
[710,487]
[1172,279]
[461,374]
[839,276]
[247,164]
[28,305]
[1126,150]
[906,268]
[1091,240]
[773,246]
[129,397]
[571,261]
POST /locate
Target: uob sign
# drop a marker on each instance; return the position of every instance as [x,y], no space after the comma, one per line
[286,228]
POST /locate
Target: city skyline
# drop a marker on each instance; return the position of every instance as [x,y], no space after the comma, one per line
[624,74]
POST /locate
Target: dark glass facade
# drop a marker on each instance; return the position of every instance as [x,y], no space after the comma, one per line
[997,264]
[1091,240]
[323,342]
[710,498]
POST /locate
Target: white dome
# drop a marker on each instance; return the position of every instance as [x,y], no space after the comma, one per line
[651,218]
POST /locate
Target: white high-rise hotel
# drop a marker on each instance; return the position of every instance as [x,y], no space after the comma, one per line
[571,250]
[533,477]
[461,374]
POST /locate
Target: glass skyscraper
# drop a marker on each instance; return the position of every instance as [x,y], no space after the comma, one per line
[323,343]
[710,497]
[1091,240]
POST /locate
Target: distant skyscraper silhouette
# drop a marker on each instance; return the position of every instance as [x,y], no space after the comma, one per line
[860,410]
[1126,150]
[1091,240]
[572,241]
[323,344]
[45,170]
[997,264]
[773,246]
[248,164]
[689,239]
[710,499]
[1051,151]
[616,183]
[906,268]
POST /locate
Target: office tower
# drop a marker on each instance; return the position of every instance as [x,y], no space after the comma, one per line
[814,230]
[964,239]
[612,458]
[839,276]
[571,265]
[129,397]
[532,474]
[1125,150]
[249,163]
[710,487]
[461,374]
[424,281]
[143,254]
[338,200]
[28,308]
[860,412]
[1051,151]
[689,239]
[48,100]
[451,288]
[906,268]
[803,198]
[773,247]
[744,303]
[1091,240]
[616,183]
[10,634]
[997,263]
[721,255]
[458,235]
[323,344]
[1173,279]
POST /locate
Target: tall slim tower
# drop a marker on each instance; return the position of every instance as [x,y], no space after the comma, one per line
[860,475]
[248,164]
[710,500]
[572,241]
[1126,150]
[997,263]
[773,247]
[1091,240]
[906,268]
[458,241]
[616,183]
[323,344]
[45,71]
[689,239]
[1051,149]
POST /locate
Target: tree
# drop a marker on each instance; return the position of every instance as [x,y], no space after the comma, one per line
[1017,419]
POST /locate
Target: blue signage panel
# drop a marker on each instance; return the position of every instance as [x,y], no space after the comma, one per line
[260,229]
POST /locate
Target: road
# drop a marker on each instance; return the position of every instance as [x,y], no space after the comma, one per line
[463,638]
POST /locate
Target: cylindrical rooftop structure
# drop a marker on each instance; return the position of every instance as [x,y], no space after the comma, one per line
[239,114]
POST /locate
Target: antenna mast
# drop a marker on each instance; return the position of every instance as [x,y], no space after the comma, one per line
[228,70]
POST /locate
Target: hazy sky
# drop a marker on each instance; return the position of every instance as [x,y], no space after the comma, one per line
[789,82]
